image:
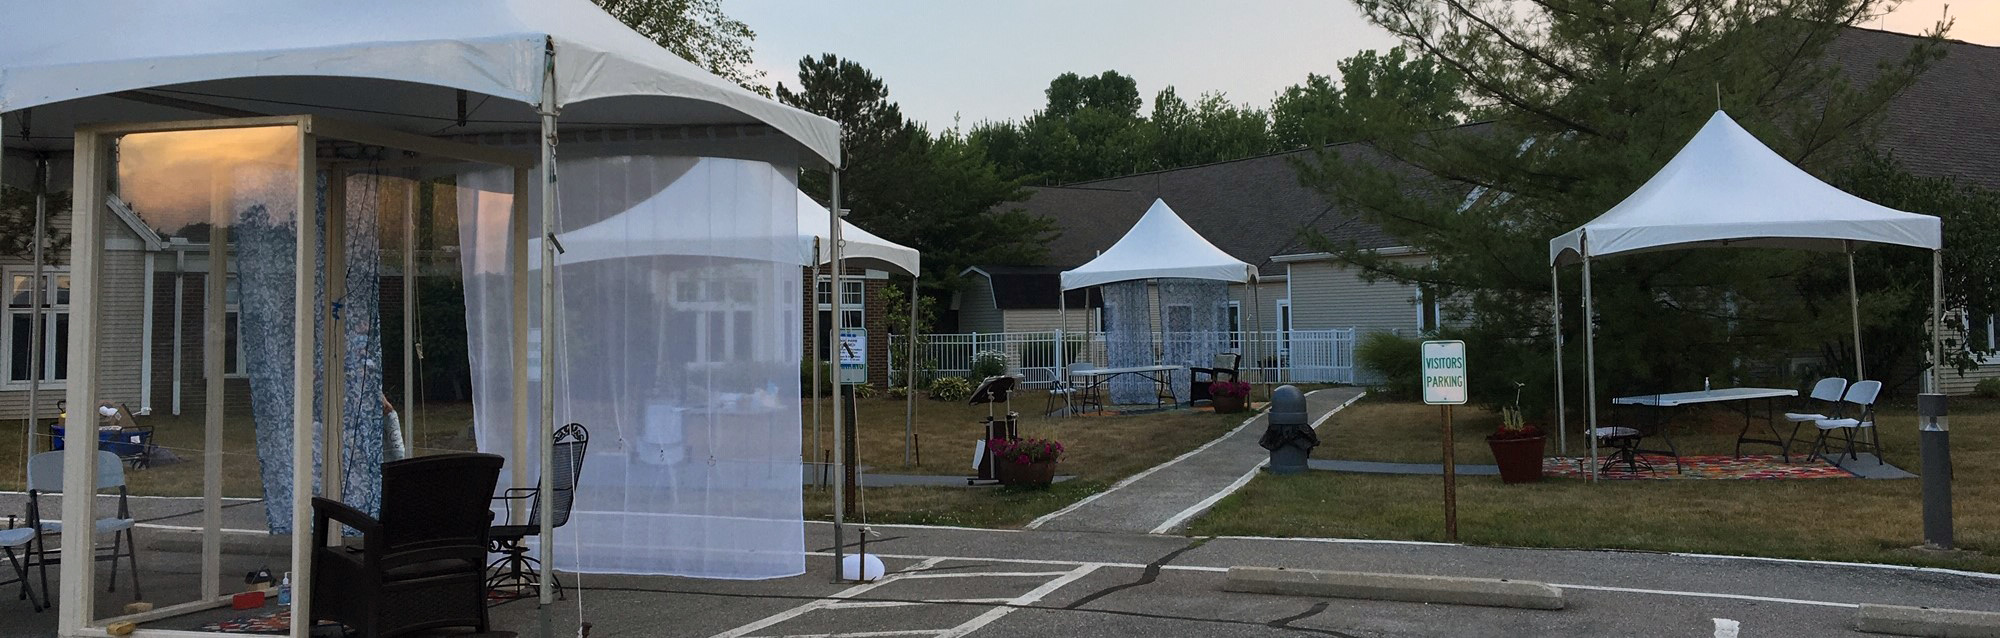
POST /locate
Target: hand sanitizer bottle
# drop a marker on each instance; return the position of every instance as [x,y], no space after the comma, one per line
[285,590]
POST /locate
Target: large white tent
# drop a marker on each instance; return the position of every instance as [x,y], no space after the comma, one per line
[482,73]
[1726,189]
[1160,245]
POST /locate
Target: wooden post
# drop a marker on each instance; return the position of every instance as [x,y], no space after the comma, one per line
[519,320]
[213,337]
[333,368]
[302,385]
[78,585]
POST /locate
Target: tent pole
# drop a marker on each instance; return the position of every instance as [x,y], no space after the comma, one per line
[813,355]
[547,110]
[1252,337]
[410,309]
[910,378]
[1062,329]
[35,327]
[1937,321]
[1854,303]
[1589,365]
[839,448]
[1556,321]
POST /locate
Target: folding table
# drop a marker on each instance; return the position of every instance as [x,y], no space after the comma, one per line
[1741,396]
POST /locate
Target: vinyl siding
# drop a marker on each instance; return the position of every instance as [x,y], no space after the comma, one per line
[121,342]
[976,310]
[1327,296]
[1955,382]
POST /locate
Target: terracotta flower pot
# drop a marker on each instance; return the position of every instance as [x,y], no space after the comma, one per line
[1031,474]
[1520,459]
[1226,405]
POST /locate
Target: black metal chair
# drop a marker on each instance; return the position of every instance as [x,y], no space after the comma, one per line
[1224,364]
[421,564]
[45,477]
[515,570]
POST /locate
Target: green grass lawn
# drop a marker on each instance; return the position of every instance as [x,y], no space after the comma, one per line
[1098,450]
[1828,519]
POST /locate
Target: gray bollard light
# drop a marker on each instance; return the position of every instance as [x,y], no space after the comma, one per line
[1934,443]
[1287,434]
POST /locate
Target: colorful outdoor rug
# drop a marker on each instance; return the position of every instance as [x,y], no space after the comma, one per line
[1754,467]
[1122,410]
[276,622]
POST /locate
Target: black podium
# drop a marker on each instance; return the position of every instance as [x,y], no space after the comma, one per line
[994,391]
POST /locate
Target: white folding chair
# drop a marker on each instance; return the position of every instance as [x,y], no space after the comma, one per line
[1068,391]
[1825,397]
[15,542]
[1862,394]
[45,477]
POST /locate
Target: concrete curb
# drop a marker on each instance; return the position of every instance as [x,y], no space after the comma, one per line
[1485,592]
[1925,621]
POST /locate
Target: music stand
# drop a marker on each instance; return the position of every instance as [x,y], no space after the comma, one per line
[994,390]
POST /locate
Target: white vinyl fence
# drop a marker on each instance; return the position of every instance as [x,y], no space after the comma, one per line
[1311,356]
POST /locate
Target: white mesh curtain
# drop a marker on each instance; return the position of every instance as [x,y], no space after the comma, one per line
[1191,332]
[1128,339]
[677,329]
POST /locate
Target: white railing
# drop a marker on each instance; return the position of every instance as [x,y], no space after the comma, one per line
[1310,356]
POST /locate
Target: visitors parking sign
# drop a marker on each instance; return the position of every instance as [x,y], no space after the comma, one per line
[1444,372]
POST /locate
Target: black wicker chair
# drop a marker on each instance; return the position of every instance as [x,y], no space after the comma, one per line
[515,572]
[1225,364]
[421,564]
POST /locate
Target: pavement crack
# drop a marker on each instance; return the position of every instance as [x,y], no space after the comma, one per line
[1286,622]
[1151,573]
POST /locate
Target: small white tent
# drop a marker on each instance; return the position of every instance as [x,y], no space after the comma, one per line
[1725,188]
[862,248]
[1159,246]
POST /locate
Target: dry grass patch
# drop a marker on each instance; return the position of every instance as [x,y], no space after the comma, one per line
[1828,519]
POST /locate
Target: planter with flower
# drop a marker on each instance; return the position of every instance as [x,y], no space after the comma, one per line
[1517,448]
[1025,461]
[1228,396]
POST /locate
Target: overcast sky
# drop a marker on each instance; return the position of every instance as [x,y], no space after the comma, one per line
[991,60]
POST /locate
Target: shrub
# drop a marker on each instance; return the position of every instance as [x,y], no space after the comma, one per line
[1396,359]
[865,391]
[806,380]
[1987,389]
[951,389]
[1025,451]
[898,392]
[987,363]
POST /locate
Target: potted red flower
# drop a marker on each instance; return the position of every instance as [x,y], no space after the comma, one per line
[1228,396]
[1517,448]
[1025,461]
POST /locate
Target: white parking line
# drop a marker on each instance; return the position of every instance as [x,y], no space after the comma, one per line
[746,630]
[980,574]
[1196,510]
[1017,602]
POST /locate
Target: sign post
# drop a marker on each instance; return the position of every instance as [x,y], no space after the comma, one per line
[1444,385]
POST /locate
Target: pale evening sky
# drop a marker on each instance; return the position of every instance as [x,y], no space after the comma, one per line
[991,60]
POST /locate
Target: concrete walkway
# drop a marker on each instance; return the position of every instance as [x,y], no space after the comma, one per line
[1162,499]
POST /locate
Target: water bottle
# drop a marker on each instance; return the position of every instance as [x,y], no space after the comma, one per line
[1704,384]
[285,591]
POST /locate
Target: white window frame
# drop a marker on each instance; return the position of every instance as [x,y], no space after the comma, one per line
[1430,302]
[1233,316]
[1992,341]
[49,276]
[853,303]
[1284,327]
[233,312]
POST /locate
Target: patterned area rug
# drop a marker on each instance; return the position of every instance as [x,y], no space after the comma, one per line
[276,622]
[1753,467]
[1120,410]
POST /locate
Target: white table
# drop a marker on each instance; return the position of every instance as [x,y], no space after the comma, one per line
[1741,396]
[1097,377]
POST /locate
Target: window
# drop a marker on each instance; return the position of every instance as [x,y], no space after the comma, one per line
[20,341]
[1428,309]
[233,360]
[1232,321]
[1979,335]
[1284,326]
[853,300]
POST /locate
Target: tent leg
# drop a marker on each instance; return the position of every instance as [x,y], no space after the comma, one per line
[546,485]
[910,380]
[35,318]
[1255,347]
[813,354]
[1556,321]
[839,447]
[1854,304]
[1937,321]
[1589,368]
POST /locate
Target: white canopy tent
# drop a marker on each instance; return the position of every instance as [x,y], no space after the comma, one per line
[1726,189]
[1159,246]
[866,250]
[487,72]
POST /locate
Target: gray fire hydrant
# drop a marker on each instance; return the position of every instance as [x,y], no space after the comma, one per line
[1288,437]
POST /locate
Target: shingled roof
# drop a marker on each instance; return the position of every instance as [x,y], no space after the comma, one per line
[1946,124]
